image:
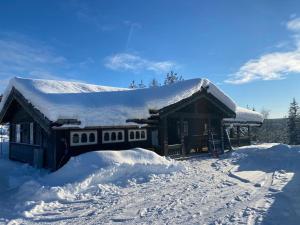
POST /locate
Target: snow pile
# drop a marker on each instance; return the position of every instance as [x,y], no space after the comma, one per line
[245,116]
[92,174]
[268,156]
[115,167]
[252,185]
[99,105]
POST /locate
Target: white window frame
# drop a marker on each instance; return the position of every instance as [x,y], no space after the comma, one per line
[109,132]
[88,132]
[18,133]
[137,130]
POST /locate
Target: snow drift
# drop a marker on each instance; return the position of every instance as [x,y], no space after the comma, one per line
[88,190]
[116,167]
[102,171]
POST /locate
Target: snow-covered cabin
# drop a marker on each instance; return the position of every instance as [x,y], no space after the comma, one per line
[52,120]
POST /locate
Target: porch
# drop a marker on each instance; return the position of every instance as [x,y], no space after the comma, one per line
[184,134]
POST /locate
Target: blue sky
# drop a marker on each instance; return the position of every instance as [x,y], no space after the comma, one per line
[250,49]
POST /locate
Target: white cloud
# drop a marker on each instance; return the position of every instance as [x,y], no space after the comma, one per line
[294,24]
[272,66]
[125,61]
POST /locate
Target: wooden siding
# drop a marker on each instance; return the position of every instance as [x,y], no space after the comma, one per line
[24,151]
[65,150]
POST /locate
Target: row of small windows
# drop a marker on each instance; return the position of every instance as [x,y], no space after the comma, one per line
[137,135]
[83,138]
[108,136]
[112,136]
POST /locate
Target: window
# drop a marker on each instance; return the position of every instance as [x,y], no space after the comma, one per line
[120,135]
[18,133]
[131,135]
[112,136]
[137,135]
[185,128]
[31,134]
[83,138]
[143,134]
[92,137]
[75,138]
[106,136]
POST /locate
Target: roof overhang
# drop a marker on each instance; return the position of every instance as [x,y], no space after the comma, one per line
[27,106]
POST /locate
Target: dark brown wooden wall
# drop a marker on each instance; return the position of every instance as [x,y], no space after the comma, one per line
[24,151]
[64,149]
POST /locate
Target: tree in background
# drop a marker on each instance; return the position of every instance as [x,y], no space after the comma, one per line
[132,85]
[265,113]
[154,83]
[172,78]
[271,131]
[293,123]
[141,84]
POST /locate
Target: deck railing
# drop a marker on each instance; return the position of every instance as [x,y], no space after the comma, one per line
[22,152]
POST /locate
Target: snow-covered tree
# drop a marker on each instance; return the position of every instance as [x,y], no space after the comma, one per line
[265,113]
[154,83]
[293,123]
[132,85]
[172,78]
[141,84]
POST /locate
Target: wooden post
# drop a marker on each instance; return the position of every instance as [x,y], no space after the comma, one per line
[238,136]
[222,138]
[209,135]
[165,136]
[183,150]
[249,134]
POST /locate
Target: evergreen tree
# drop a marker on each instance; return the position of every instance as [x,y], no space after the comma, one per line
[154,83]
[132,85]
[141,85]
[172,78]
[293,118]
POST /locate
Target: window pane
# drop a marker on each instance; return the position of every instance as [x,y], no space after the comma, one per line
[113,136]
[75,138]
[92,137]
[131,135]
[83,138]
[106,136]
[143,134]
[120,135]
[18,133]
[137,134]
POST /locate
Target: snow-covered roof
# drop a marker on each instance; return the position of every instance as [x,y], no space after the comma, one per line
[247,116]
[106,106]
[95,105]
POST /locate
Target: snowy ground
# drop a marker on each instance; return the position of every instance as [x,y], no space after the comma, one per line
[253,185]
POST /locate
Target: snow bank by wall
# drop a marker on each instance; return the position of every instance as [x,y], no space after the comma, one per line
[101,174]
[122,166]
[100,105]
[90,172]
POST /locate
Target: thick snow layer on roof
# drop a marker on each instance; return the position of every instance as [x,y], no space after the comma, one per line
[105,106]
[245,116]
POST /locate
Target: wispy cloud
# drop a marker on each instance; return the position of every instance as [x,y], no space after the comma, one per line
[274,65]
[135,63]
[20,56]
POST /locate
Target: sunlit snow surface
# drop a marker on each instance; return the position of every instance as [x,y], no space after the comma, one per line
[106,106]
[252,185]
